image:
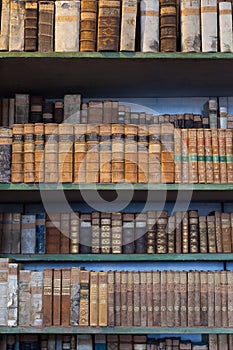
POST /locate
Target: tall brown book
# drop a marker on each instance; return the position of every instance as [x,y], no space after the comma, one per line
[65,297]
[226,232]
[193,232]
[192,149]
[143,156]
[118,153]
[29,158]
[105,148]
[203,234]
[162,220]
[211,234]
[46,26]
[128,233]
[88,25]
[170,299]
[48,297]
[30,25]
[80,149]
[143,298]
[53,234]
[168,25]
[201,156]
[163,300]
[111,298]
[117,297]
[17,164]
[39,152]
[136,299]
[65,153]
[92,155]
[208,156]
[204,297]
[154,173]
[123,288]
[105,235]
[131,153]
[57,297]
[51,152]
[167,153]
[222,155]
[211,304]
[74,232]
[156,298]
[94,298]
[215,150]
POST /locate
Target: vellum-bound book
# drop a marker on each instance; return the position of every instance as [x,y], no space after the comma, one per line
[149,20]
[5,25]
[128,25]
[190,26]
[225,26]
[67,23]
[16,39]
[209,30]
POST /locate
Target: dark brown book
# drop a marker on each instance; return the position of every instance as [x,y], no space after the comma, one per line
[30,26]
[48,297]
[17,163]
[171,238]
[130,299]
[149,298]
[217,299]
[183,299]
[84,318]
[204,297]
[88,25]
[136,299]
[124,320]
[167,153]
[117,306]
[226,232]
[151,236]
[58,112]
[211,234]
[65,233]
[161,234]
[143,155]
[65,297]
[192,149]
[197,302]
[140,233]
[53,234]
[178,225]
[163,300]
[156,298]
[39,152]
[211,303]
[128,233]
[185,233]
[108,25]
[224,298]
[105,148]
[57,297]
[168,25]
[230,297]
[92,154]
[29,157]
[193,232]
[170,299]
[176,298]
[46,26]
[203,234]
[105,233]
[143,298]
[74,232]
[218,231]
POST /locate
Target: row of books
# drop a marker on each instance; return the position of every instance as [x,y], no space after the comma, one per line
[152,232]
[24,109]
[112,153]
[78,297]
[149,26]
[105,342]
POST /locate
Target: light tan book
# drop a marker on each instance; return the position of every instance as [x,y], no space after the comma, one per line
[128,25]
[94,298]
[16,38]
[103,299]
[36,298]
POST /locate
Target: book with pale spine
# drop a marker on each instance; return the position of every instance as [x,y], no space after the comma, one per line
[36,298]
[209,30]
[225,26]
[12,295]
[190,26]
[128,25]
[24,298]
[5,25]
[149,21]
[28,234]
[17,13]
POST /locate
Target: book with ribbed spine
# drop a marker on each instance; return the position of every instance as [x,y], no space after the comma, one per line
[170,298]
[36,298]
[94,298]
[142,154]
[111,298]
[177,155]
[224,298]
[105,148]
[215,150]
[5,154]
[51,152]
[229,158]
[161,235]
[176,298]
[103,299]
[80,149]
[74,295]
[141,235]
[193,232]
[65,233]
[190,26]
[192,150]
[123,298]
[48,297]
[163,300]
[208,156]
[56,297]
[156,298]
[21,108]
[168,25]
[183,298]
[167,153]
[170,230]
[230,297]
[154,168]
[149,299]
[65,297]
[203,234]
[39,152]
[17,164]
[149,22]
[29,156]
[88,25]
[105,233]
[84,298]
[131,153]
[143,298]
[74,232]
[92,154]
[24,305]
[46,26]
[116,222]
[12,295]
[225,26]
[201,156]
[85,234]
[211,234]
[128,25]
[40,233]
[118,153]
[184,156]
[136,300]
[95,234]
[209,30]
[16,36]
[218,231]
[211,304]
[226,232]
[117,297]
[30,25]
[222,155]
[204,298]
[128,233]
[65,152]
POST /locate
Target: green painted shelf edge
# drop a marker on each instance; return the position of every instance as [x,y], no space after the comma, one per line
[112,186]
[119,257]
[116,55]
[113,330]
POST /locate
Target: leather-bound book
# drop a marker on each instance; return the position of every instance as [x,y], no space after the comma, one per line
[203,234]
[112,342]
[128,25]
[105,233]
[121,115]
[211,234]
[176,299]
[5,25]
[95,112]
[177,155]
[58,112]
[222,155]
[156,298]
[224,298]
[208,156]
[67,24]
[143,298]
[231,214]
[193,232]
[163,300]
[48,111]
[209,29]
[48,297]
[17,15]
[111,298]
[178,226]
[229,158]
[115,111]
[53,234]
[192,150]
[149,298]
[36,103]
[85,234]
[117,297]
[184,156]
[4,271]
[123,288]
[183,299]
[118,155]
[190,26]
[5,112]
[6,155]
[84,298]
[65,233]
[167,153]
[17,164]
[218,232]
[211,303]
[57,297]
[88,25]
[80,148]
[21,108]
[46,26]
[15,232]
[39,152]
[168,25]
[105,156]
[24,298]
[108,25]
[6,234]
[151,235]
[30,25]
[92,155]
[201,156]
[171,235]
[131,153]
[72,105]
[28,234]
[84,113]
[204,297]
[95,235]
[129,306]
[162,220]
[128,233]
[116,219]
[196,307]
[226,232]
[65,297]
[170,299]
[215,150]
[65,153]
[230,297]
[12,303]
[136,299]
[74,295]
[225,26]
[217,299]
[51,152]
[154,172]
[36,289]
[94,298]
[143,156]
[107,111]
[29,156]
[149,22]
[140,233]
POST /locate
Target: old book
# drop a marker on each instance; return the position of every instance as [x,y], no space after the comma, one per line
[5,26]
[53,234]
[67,26]
[29,153]
[80,149]
[92,154]
[128,25]
[141,234]
[88,25]
[225,26]
[231,214]
[154,169]
[48,297]
[190,26]
[149,299]
[4,271]
[58,112]
[184,156]
[208,156]
[178,227]
[85,234]
[111,298]
[65,155]
[6,234]
[24,298]
[94,298]
[84,298]
[17,165]
[193,232]
[57,309]
[167,153]
[142,154]
[128,233]
[39,152]
[136,299]
[226,232]
[36,104]
[211,302]
[103,299]
[11,114]
[192,150]
[176,298]
[48,109]
[229,158]
[149,24]
[211,234]
[107,111]
[163,298]
[17,14]
[183,298]
[15,233]
[65,297]
[170,298]
[130,153]
[224,298]
[30,25]
[168,25]
[100,342]
[40,233]
[12,295]
[84,341]
[105,149]
[46,26]
[213,341]
[218,232]
[171,239]
[222,155]
[215,150]
[177,155]
[161,234]
[36,299]
[74,295]
[204,298]
[6,156]
[123,297]
[143,298]
[108,30]
[21,108]
[5,112]
[203,234]
[116,221]
[95,234]
[209,32]
[201,156]
[117,296]
[28,234]
[185,233]
[217,299]
[51,152]
[191,299]
[230,298]
[118,155]
[105,233]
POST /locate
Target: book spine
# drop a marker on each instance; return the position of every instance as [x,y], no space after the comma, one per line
[39,152]
[36,105]
[156,298]
[11,116]
[168,25]
[201,156]
[167,153]
[141,234]
[190,26]
[154,173]
[85,233]
[183,298]
[170,299]
[30,26]
[106,234]
[48,109]
[108,31]
[208,156]
[149,299]
[171,239]
[193,232]
[92,155]
[56,293]
[185,234]
[116,233]
[218,231]
[143,155]
[17,14]
[5,112]
[111,299]
[105,148]
[117,295]
[215,150]
[118,155]
[95,234]
[46,26]
[15,232]
[103,299]
[136,299]
[84,298]
[48,297]
[226,232]
[28,234]
[204,297]
[128,25]
[229,157]
[74,296]
[65,297]
[184,155]
[149,22]
[65,155]
[74,232]
[211,305]
[94,298]
[51,152]
[6,239]
[80,149]
[203,234]
[88,25]
[211,234]
[58,112]
[5,26]
[163,300]
[177,155]
[40,233]
[222,155]
[36,299]
[225,26]
[24,298]
[217,299]
[143,298]
[176,298]
[192,150]
[230,298]
[128,233]
[53,234]
[131,153]
[209,25]
[12,295]
[67,24]
[21,108]
[29,149]
[224,298]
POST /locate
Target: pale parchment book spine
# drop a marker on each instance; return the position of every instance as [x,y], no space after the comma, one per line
[16,39]
[209,30]
[190,26]
[149,20]
[5,25]
[225,26]
[128,25]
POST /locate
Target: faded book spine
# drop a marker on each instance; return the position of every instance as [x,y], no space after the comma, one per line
[84,316]
[225,26]
[36,299]
[5,154]
[29,156]
[149,21]
[5,25]
[48,297]
[209,25]
[190,26]
[28,234]
[128,25]
[24,298]
[74,295]
[12,295]
[17,13]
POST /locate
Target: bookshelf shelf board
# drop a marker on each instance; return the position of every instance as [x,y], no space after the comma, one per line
[118,257]
[34,193]
[144,74]
[113,330]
